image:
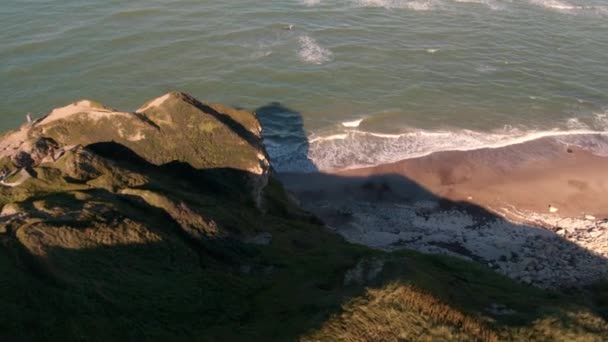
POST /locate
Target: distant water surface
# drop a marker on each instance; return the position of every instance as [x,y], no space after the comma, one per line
[364,81]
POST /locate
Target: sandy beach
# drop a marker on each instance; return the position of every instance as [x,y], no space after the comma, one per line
[531,176]
[535,211]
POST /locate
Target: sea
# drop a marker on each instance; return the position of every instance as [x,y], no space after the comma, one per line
[336,83]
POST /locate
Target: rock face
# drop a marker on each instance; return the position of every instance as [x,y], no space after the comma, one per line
[172,128]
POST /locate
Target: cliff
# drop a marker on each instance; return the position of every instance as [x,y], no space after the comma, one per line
[168,222]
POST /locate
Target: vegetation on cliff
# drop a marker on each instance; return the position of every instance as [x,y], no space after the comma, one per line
[168,223]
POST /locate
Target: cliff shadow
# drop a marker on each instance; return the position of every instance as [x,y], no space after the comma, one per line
[285,139]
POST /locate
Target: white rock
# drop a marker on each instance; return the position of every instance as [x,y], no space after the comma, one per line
[596,233]
[552,209]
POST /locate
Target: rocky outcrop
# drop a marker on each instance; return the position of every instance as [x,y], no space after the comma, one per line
[89,177]
[172,128]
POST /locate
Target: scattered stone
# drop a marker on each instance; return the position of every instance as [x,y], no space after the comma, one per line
[552,209]
[541,249]
[590,217]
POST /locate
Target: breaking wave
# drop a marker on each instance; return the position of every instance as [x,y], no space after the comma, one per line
[351,147]
[416,5]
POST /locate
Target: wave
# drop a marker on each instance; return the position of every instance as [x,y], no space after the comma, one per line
[354,123]
[359,148]
[555,4]
[350,147]
[416,5]
[311,52]
[492,4]
[427,5]
[570,8]
[310,3]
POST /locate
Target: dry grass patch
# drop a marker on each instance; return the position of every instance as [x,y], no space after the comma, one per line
[400,312]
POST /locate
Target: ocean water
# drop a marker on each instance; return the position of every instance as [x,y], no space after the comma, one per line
[336,83]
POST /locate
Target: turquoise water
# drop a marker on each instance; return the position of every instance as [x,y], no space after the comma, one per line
[421,75]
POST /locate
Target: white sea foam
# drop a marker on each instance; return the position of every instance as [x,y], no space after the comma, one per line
[416,5]
[555,5]
[261,54]
[311,52]
[358,148]
[310,3]
[570,8]
[354,123]
[329,138]
[492,4]
[432,50]
[486,69]
[601,119]
[350,147]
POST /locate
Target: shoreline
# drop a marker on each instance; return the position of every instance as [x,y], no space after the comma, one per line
[534,211]
[355,149]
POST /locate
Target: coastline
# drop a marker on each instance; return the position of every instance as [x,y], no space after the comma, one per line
[534,211]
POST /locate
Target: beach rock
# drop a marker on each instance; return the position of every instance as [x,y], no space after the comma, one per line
[541,254]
